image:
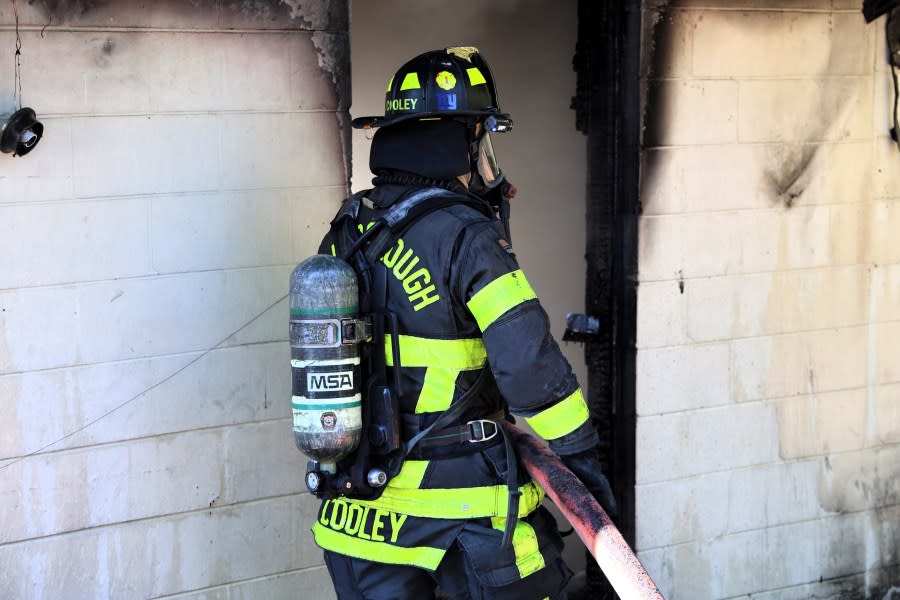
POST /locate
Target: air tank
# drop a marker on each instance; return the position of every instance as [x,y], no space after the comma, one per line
[325,361]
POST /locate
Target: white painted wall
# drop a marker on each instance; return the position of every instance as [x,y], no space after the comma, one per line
[192,156]
[768,386]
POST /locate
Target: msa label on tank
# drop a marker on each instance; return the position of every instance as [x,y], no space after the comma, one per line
[324,380]
[325,399]
[329,382]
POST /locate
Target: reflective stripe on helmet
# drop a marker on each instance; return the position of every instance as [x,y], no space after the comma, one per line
[410,82]
[496,298]
[476,77]
[562,418]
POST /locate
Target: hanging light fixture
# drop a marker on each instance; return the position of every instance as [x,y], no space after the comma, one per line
[21,132]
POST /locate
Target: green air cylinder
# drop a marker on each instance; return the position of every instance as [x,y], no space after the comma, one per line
[325,363]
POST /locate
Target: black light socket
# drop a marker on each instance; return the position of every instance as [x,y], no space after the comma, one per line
[21,132]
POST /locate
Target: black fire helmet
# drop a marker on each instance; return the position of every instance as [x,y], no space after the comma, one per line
[453,82]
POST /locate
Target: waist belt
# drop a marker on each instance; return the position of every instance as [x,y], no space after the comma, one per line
[476,431]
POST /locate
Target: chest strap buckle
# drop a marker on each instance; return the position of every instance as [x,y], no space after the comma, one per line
[479,433]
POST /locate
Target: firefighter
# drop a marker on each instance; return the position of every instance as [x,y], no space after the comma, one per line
[469,326]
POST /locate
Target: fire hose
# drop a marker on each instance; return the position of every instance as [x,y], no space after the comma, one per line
[601,537]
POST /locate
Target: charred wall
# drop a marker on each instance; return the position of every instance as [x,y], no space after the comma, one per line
[766,387]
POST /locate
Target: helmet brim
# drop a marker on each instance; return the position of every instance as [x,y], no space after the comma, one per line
[375,121]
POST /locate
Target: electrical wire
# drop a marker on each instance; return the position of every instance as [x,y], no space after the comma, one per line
[17,79]
[145,391]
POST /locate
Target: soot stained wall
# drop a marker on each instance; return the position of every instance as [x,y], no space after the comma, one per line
[767,383]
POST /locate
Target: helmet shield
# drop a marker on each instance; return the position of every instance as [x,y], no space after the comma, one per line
[454,82]
[486,162]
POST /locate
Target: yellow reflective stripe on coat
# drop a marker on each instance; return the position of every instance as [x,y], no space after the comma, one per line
[443,360]
[525,545]
[456,503]
[437,391]
[463,354]
[493,300]
[562,418]
[411,474]
[421,556]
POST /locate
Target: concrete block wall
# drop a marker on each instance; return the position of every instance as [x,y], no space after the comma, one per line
[193,154]
[768,382]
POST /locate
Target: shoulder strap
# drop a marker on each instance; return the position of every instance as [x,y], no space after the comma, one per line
[410,208]
[394,222]
[350,208]
[343,226]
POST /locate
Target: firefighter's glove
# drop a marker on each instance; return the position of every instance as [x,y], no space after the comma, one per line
[586,466]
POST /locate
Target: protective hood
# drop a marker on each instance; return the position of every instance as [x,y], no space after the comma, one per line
[436,148]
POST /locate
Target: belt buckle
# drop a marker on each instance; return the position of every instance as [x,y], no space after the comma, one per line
[476,430]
